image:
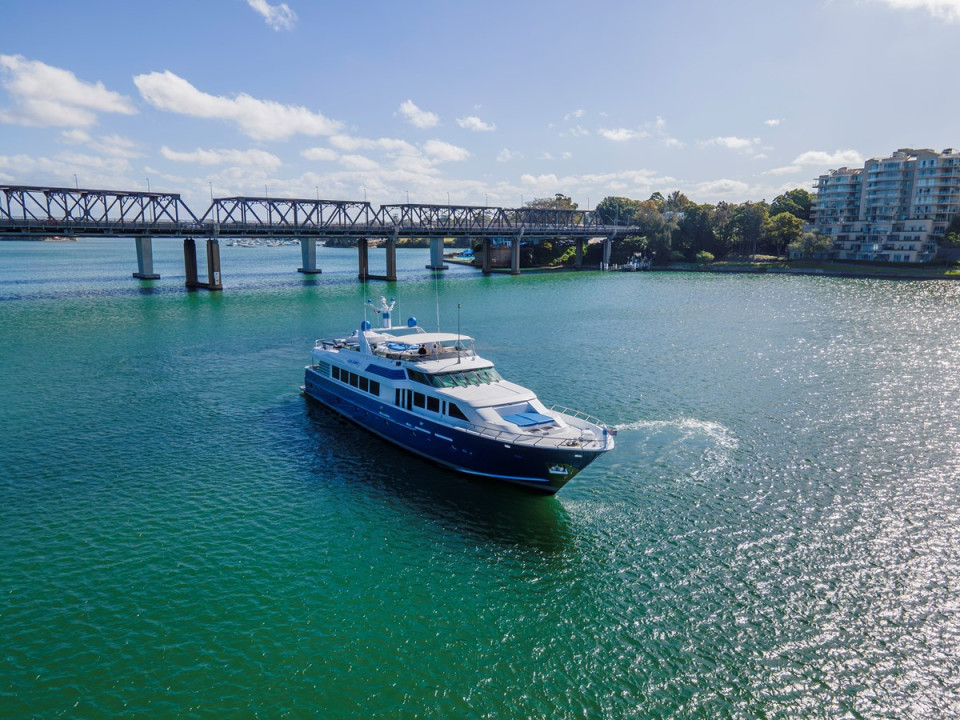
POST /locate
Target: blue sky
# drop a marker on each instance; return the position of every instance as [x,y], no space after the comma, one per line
[473,102]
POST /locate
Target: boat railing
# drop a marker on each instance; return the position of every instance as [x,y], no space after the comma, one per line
[413,354]
[579,415]
[537,440]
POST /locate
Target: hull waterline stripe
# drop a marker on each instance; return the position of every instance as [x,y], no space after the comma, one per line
[504,477]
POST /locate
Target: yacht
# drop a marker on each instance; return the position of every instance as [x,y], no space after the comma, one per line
[433,395]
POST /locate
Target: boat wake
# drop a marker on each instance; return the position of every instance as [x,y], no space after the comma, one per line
[690,426]
[701,448]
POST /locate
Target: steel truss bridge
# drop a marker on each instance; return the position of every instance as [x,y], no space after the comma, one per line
[29,211]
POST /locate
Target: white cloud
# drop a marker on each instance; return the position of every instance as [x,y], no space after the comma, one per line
[91,170]
[259,119]
[772,122]
[116,146]
[442,151]
[256,158]
[320,153]
[660,128]
[635,183]
[75,136]
[390,145]
[415,165]
[358,162]
[476,124]
[540,181]
[566,155]
[111,145]
[44,95]
[838,158]
[948,10]
[732,142]
[576,131]
[623,134]
[417,117]
[507,155]
[722,188]
[576,114]
[786,170]
[404,155]
[279,17]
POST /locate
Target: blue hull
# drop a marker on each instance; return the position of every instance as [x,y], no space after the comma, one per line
[545,469]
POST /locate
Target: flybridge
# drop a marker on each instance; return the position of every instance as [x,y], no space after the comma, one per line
[32,211]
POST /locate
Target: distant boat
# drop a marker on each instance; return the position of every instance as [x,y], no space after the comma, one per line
[433,395]
[634,264]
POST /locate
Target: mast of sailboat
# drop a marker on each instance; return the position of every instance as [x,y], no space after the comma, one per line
[458,333]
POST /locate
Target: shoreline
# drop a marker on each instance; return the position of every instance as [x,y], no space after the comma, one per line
[851,271]
[831,270]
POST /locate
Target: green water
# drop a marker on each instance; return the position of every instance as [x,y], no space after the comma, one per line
[777,533]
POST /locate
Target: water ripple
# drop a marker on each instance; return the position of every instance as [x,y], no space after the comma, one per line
[182,534]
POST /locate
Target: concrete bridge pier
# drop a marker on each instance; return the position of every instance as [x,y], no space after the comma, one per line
[363,255]
[213,265]
[436,255]
[391,259]
[515,256]
[607,249]
[579,261]
[485,251]
[363,258]
[308,252]
[145,259]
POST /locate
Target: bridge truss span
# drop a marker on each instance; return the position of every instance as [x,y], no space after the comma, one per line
[481,221]
[290,217]
[443,220]
[26,210]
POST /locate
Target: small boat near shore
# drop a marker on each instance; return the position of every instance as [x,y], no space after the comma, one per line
[433,395]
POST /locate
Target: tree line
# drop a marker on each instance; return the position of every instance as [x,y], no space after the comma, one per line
[676,229]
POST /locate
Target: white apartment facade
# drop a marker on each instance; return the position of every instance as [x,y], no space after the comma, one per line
[894,209]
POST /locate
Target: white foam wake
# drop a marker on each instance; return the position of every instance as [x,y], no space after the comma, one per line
[712,441]
[721,434]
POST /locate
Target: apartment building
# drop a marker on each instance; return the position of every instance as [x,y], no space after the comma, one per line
[894,209]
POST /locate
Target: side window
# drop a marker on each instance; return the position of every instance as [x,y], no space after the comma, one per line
[433,404]
[375,388]
[456,412]
[419,400]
